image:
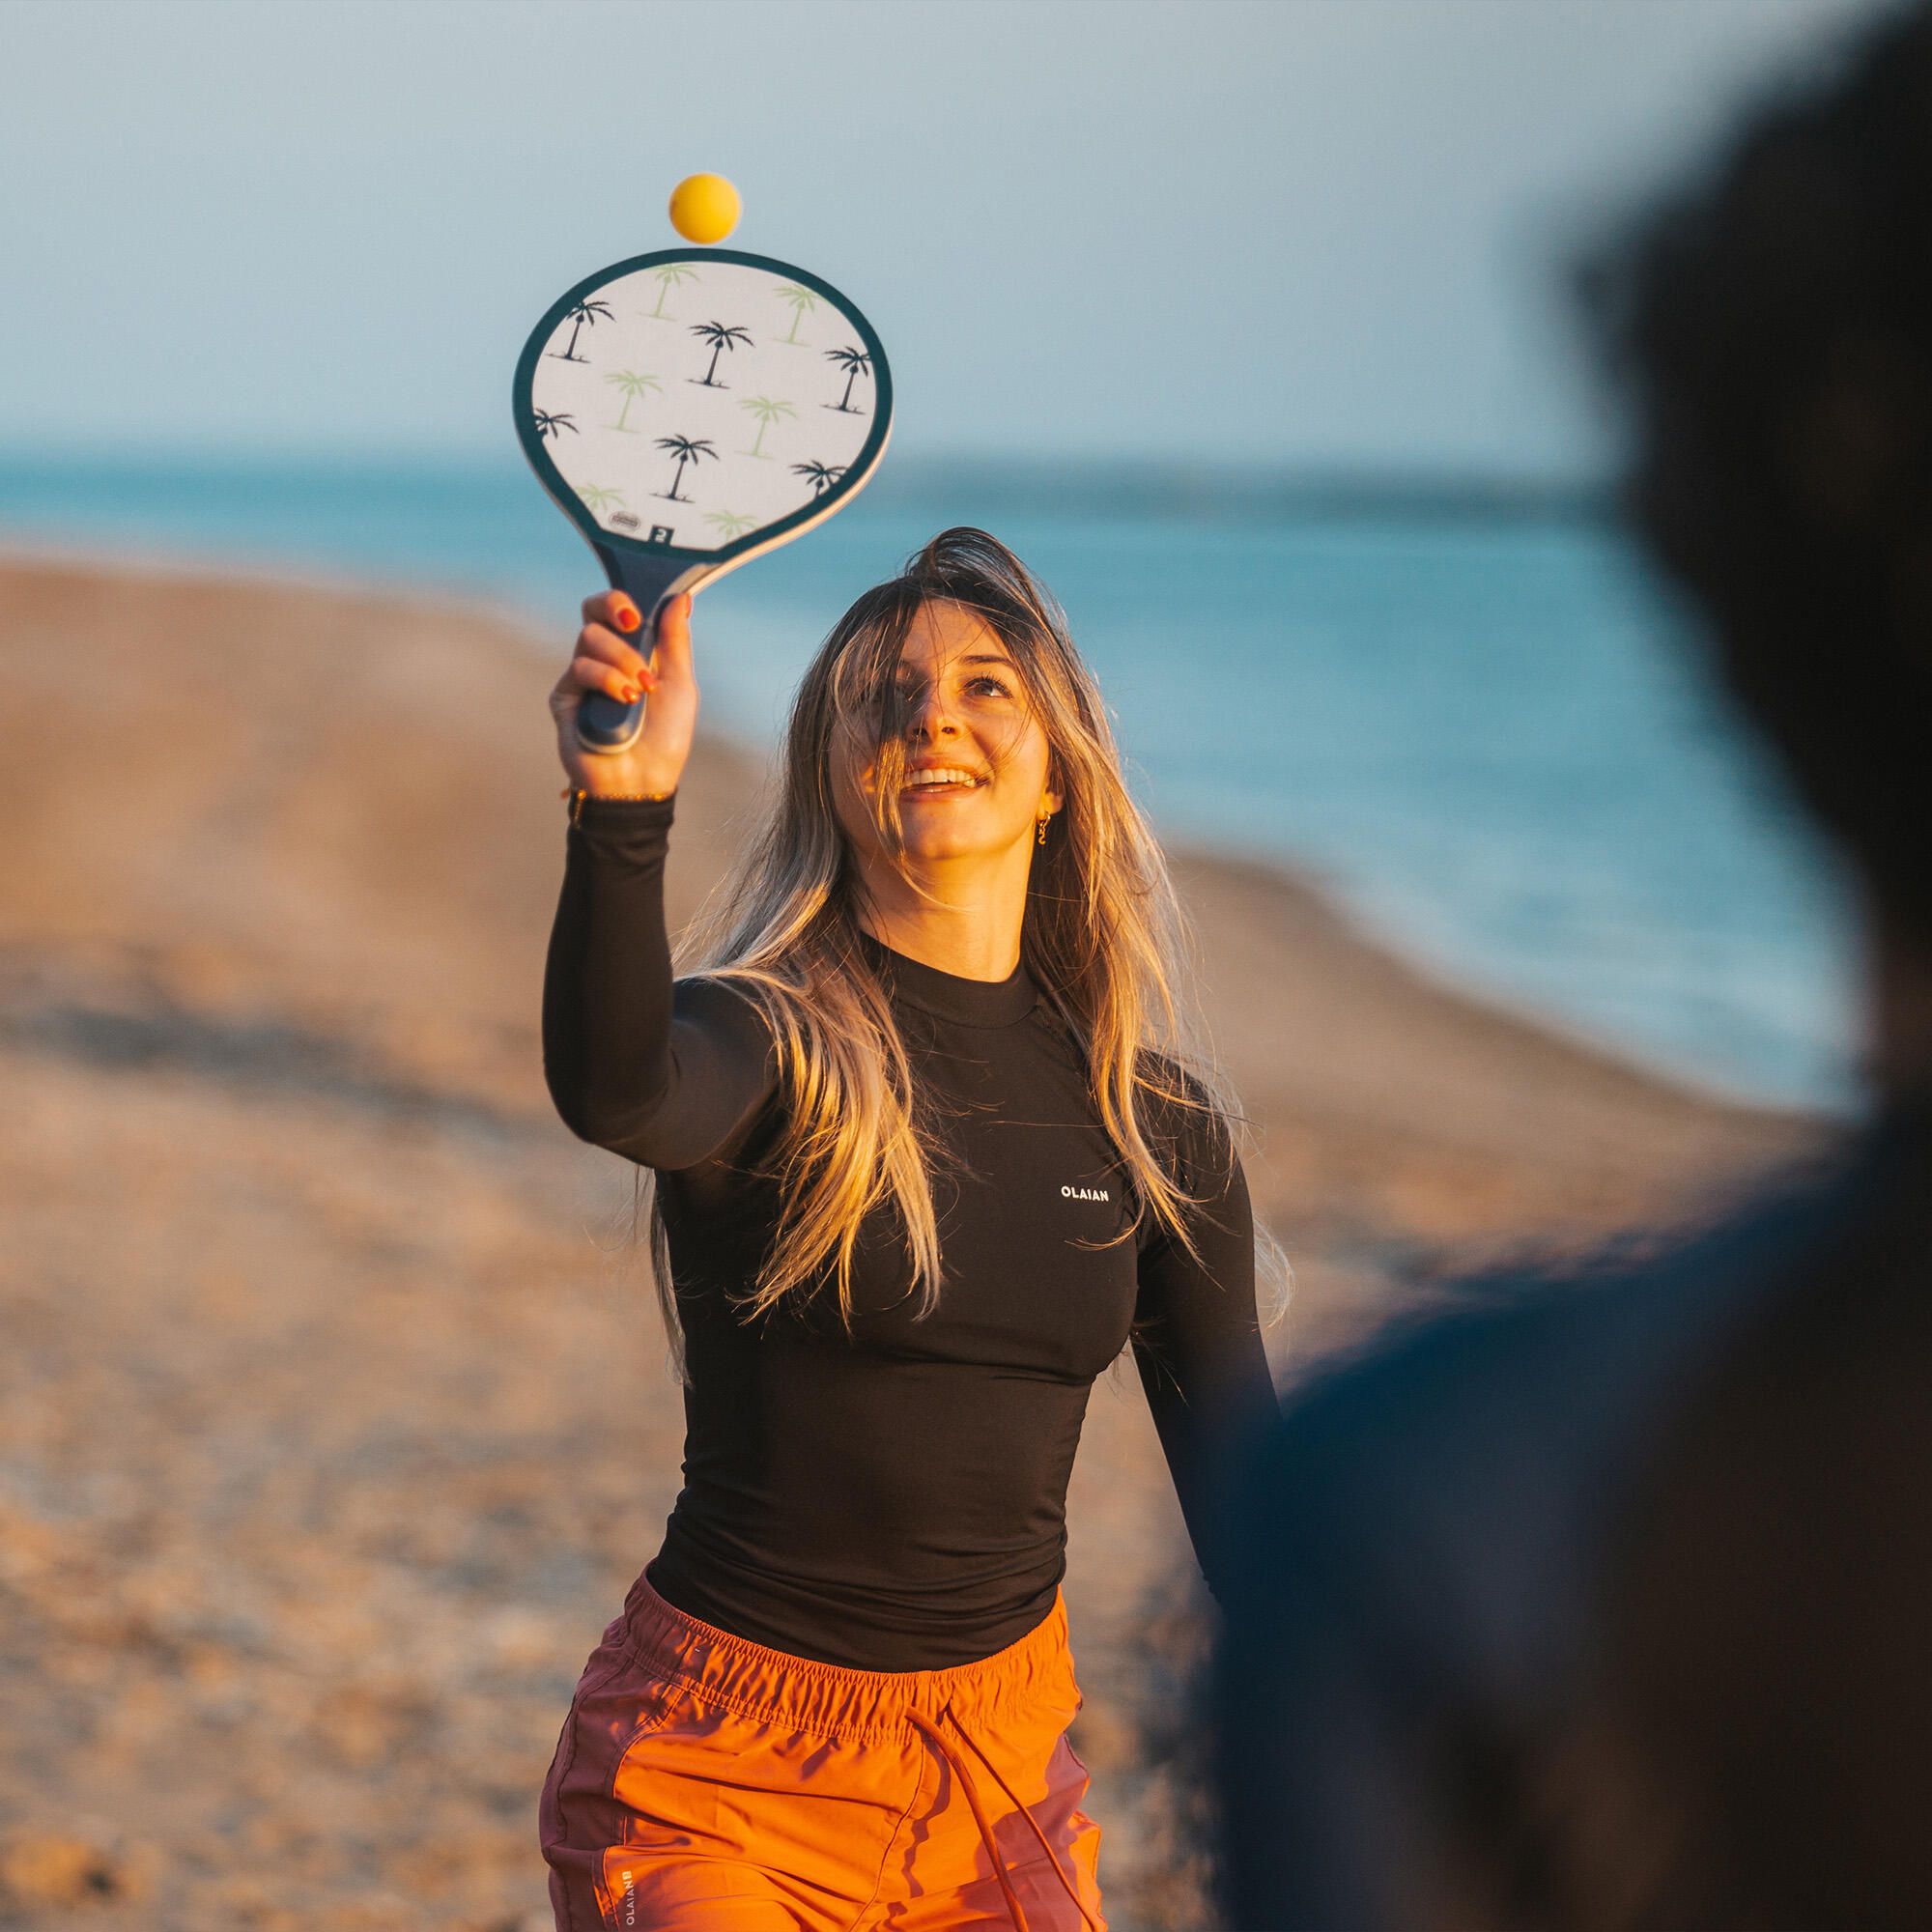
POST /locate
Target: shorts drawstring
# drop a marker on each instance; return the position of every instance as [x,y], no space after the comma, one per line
[954,1763]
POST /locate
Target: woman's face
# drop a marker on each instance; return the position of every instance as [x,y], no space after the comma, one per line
[977,758]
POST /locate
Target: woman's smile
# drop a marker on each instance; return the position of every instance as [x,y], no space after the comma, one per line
[925,782]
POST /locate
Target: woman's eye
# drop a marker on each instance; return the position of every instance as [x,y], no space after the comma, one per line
[989,687]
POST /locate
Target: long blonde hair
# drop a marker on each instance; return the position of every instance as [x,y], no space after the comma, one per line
[1103,938]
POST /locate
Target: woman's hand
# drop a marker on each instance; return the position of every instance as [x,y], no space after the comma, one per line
[606,661]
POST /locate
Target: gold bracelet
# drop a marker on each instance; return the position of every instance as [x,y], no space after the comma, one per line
[577,795]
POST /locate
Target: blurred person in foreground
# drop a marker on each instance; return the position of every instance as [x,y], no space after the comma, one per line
[1604,1602]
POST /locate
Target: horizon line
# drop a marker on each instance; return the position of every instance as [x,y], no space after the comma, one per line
[1121,482]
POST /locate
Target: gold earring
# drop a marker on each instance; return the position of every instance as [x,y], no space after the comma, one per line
[1040,824]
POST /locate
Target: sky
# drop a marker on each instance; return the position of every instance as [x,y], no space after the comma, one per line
[1324,235]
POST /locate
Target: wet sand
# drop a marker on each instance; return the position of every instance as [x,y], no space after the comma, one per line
[335,1424]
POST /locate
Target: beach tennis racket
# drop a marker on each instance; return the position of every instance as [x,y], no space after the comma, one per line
[690,409]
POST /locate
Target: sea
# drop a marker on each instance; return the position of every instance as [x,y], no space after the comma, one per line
[1474,717]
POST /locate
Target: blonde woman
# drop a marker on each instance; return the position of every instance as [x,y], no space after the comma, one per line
[927,1153]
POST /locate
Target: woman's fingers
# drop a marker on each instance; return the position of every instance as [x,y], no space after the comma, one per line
[615,609]
[613,631]
[598,646]
[673,657]
[606,664]
[581,678]
[595,674]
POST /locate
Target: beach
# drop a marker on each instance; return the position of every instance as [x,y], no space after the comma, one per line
[335,1420]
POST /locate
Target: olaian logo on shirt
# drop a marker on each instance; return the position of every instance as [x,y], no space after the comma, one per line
[1085,1193]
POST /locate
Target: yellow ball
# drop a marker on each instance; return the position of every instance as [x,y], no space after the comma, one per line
[704,208]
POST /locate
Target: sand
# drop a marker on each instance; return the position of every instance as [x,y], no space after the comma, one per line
[334,1422]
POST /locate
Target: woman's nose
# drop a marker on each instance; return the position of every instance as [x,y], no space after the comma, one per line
[931,718]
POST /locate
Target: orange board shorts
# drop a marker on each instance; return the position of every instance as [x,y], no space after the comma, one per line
[706,1782]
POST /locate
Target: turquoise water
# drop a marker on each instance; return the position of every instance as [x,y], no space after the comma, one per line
[1475,728]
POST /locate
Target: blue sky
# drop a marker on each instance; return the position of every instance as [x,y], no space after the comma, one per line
[1316,233]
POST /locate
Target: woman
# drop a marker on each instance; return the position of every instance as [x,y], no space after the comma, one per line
[925,1155]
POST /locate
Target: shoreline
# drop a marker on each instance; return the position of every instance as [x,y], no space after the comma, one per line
[1392,1115]
[338,1422]
[1464,977]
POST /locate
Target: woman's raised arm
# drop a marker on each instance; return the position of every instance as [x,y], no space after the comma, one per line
[666,1076]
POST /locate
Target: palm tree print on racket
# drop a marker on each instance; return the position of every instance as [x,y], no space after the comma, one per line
[728,524]
[597,500]
[549,426]
[802,301]
[820,475]
[668,276]
[592,312]
[686,451]
[767,412]
[633,385]
[720,336]
[855,363]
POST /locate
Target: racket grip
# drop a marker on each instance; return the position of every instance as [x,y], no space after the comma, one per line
[605,727]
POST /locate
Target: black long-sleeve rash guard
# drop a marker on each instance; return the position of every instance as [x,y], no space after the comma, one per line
[891,1499]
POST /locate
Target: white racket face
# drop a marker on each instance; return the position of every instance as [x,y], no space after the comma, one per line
[702,405]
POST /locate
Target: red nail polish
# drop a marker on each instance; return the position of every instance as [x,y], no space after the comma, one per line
[626,617]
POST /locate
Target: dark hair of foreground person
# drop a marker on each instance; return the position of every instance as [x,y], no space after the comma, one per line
[1600,1602]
